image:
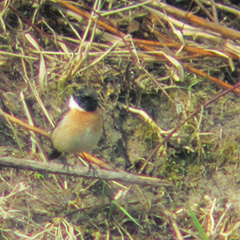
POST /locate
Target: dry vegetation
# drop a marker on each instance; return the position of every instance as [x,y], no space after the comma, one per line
[166,74]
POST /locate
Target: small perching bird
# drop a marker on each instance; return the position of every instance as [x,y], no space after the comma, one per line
[80,128]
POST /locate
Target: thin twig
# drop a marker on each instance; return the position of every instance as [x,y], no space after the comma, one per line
[24,124]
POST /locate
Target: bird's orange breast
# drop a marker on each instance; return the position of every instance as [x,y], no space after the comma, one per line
[79,131]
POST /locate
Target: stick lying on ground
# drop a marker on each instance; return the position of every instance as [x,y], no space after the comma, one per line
[56,168]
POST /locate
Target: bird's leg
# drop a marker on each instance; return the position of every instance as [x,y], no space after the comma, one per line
[66,165]
[91,169]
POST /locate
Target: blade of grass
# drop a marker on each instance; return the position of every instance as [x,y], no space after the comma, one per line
[126,213]
[198,225]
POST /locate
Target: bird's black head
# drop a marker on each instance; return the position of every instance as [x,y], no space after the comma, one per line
[87,99]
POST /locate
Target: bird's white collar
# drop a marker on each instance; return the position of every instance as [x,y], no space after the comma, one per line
[74,105]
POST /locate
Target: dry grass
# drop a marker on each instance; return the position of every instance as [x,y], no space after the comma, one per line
[165,75]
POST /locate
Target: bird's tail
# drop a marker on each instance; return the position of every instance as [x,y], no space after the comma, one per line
[54,154]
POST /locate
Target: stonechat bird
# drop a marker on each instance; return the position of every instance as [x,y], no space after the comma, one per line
[80,128]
